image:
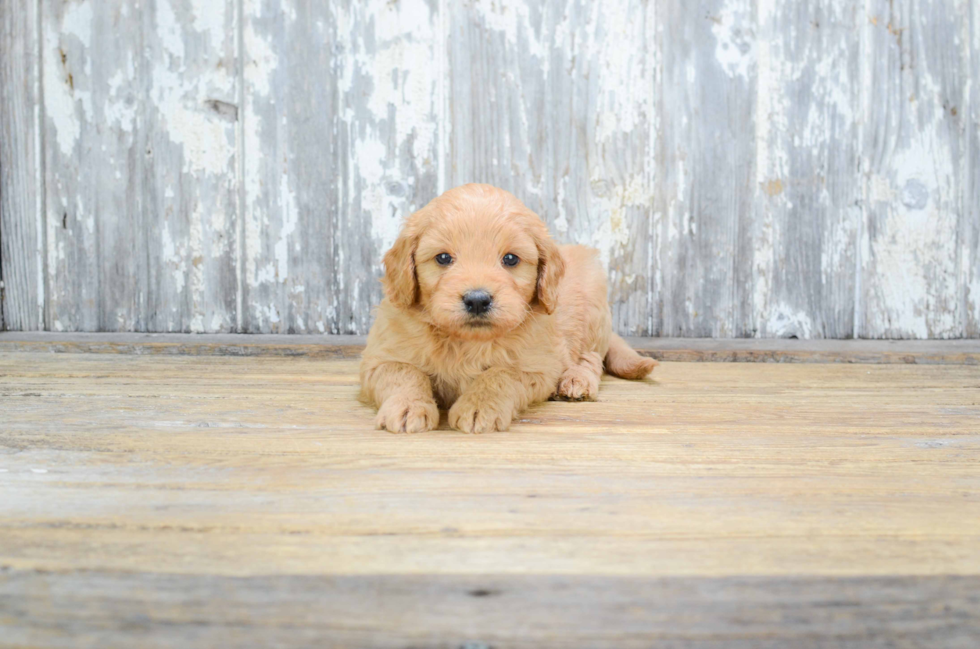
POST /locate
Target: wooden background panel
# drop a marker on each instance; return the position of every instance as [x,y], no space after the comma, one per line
[745,168]
[970,241]
[188,202]
[706,159]
[341,141]
[21,231]
[140,168]
[914,146]
[390,137]
[555,102]
[93,150]
[286,81]
[801,264]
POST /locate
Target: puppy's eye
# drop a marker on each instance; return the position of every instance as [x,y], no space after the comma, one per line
[510,259]
[444,259]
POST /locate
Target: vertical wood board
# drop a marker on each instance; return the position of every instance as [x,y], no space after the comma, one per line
[555,102]
[745,168]
[21,231]
[341,142]
[914,151]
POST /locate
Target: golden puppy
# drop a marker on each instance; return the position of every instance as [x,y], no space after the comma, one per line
[485,315]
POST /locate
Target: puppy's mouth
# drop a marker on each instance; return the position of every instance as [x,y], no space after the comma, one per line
[481,323]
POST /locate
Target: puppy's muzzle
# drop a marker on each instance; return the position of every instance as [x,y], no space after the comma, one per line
[477,302]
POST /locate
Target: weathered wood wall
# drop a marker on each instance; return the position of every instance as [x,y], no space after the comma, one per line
[747,167]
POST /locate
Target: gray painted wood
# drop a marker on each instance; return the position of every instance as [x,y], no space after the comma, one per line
[190,190]
[800,260]
[762,350]
[93,153]
[554,101]
[140,174]
[21,234]
[913,152]
[707,129]
[341,142]
[104,608]
[746,167]
[970,239]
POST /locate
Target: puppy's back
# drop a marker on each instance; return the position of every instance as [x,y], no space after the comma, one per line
[583,308]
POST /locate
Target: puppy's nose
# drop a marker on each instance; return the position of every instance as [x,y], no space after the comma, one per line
[477,302]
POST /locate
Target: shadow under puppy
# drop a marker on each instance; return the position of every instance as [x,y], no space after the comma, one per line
[484,315]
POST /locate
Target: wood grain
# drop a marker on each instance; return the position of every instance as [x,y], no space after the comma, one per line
[970,223]
[165,610]
[779,350]
[21,232]
[189,188]
[914,147]
[158,501]
[707,139]
[341,144]
[554,101]
[746,168]
[799,267]
[96,260]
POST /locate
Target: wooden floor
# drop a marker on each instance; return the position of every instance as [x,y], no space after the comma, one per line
[180,501]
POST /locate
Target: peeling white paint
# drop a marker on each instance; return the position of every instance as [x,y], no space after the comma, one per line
[290,217]
[786,322]
[399,110]
[735,41]
[613,234]
[513,22]
[391,64]
[208,142]
[120,109]
[175,260]
[74,36]
[261,60]
[210,19]
[913,266]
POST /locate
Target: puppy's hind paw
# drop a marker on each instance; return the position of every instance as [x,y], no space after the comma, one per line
[403,415]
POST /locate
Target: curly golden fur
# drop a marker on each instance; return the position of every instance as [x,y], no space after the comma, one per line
[466,328]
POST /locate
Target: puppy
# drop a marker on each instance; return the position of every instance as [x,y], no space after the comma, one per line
[485,315]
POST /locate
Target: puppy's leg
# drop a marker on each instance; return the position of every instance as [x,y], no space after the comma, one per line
[403,395]
[495,397]
[580,382]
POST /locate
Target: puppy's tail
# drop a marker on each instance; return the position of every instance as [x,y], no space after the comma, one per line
[623,361]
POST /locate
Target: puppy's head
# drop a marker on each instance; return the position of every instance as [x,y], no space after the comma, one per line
[475,262]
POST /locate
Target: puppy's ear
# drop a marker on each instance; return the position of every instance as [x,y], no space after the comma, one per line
[400,283]
[551,268]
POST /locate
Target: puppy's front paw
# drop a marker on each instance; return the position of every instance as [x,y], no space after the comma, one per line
[403,415]
[476,413]
[578,384]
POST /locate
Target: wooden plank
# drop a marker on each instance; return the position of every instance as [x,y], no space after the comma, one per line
[243,466]
[96,257]
[334,161]
[188,197]
[21,230]
[801,266]
[970,238]
[706,166]
[227,501]
[923,352]
[102,609]
[710,151]
[554,101]
[917,55]
[141,188]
